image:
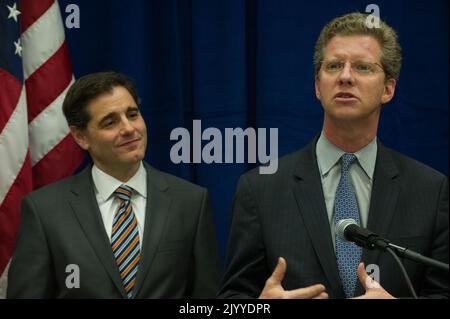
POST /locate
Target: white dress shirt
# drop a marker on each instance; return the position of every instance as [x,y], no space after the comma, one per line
[104,187]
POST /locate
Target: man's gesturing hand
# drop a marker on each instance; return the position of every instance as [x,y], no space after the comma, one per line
[274,290]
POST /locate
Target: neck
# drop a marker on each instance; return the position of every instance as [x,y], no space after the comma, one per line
[349,137]
[123,174]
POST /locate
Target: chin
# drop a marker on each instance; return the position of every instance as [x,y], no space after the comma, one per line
[133,158]
[348,116]
[346,113]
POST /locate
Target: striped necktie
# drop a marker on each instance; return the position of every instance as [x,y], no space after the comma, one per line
[125,239]
[348,254]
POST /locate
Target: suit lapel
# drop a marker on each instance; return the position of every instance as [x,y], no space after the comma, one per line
[309,195]
[385,191]
[156,212]
[85,207]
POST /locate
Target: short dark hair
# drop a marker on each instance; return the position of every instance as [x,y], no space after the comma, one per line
[87,88]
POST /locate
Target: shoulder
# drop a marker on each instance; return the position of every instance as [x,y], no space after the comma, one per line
[52,191]
[173,184]
[287,165]
[411,168]
[187,200]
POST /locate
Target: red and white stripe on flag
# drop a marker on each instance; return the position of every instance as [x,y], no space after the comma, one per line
[35,145]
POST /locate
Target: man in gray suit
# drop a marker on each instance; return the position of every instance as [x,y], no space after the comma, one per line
[121,228]
[283,241]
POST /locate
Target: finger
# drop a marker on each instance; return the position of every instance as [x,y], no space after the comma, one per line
[307,292]
[367,282]
[278,274]
[322,295]
[362,275]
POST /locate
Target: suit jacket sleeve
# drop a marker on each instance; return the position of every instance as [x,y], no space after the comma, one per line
[436,281]
[30,273]
[205,264]
[246,268]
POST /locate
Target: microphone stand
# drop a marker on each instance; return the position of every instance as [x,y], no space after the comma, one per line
[375,242]
[404,273]
[349,230]
[383,244]
[412,255]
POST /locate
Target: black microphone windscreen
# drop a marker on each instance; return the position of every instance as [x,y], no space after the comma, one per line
[342,225]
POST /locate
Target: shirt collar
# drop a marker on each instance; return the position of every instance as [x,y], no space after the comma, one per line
[329,154]
[105,184]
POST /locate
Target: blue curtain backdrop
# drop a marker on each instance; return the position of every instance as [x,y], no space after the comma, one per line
[237,63]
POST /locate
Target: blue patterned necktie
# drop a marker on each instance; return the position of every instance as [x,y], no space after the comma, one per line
[345,206]
[125,239]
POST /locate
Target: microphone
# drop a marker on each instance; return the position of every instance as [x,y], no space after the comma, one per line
[349,230]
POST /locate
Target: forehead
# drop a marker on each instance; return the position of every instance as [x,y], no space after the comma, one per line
[118,100]
[354,46]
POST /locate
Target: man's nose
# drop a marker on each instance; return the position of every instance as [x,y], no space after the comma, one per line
[126,126]
[346,75]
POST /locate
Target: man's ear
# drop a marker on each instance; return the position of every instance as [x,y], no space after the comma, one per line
[389,89]
[80,137]
[316,84]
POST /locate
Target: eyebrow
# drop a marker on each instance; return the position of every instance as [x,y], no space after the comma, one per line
[357,57]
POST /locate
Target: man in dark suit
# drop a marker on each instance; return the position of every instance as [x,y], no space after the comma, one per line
[283,241]
[121,228]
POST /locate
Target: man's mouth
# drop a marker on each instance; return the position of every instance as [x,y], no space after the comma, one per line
[129,142]
[345,97]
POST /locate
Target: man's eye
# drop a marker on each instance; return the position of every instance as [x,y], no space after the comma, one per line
[333,66]
[363,67]
[108,123]
[133,114]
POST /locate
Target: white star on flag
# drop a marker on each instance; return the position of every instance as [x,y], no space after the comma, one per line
[18,46]
[13,12]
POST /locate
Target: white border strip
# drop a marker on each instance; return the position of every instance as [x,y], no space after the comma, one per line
[42,39]
[13,145]
[48,128]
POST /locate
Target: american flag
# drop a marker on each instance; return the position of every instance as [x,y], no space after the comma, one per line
[35,74]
